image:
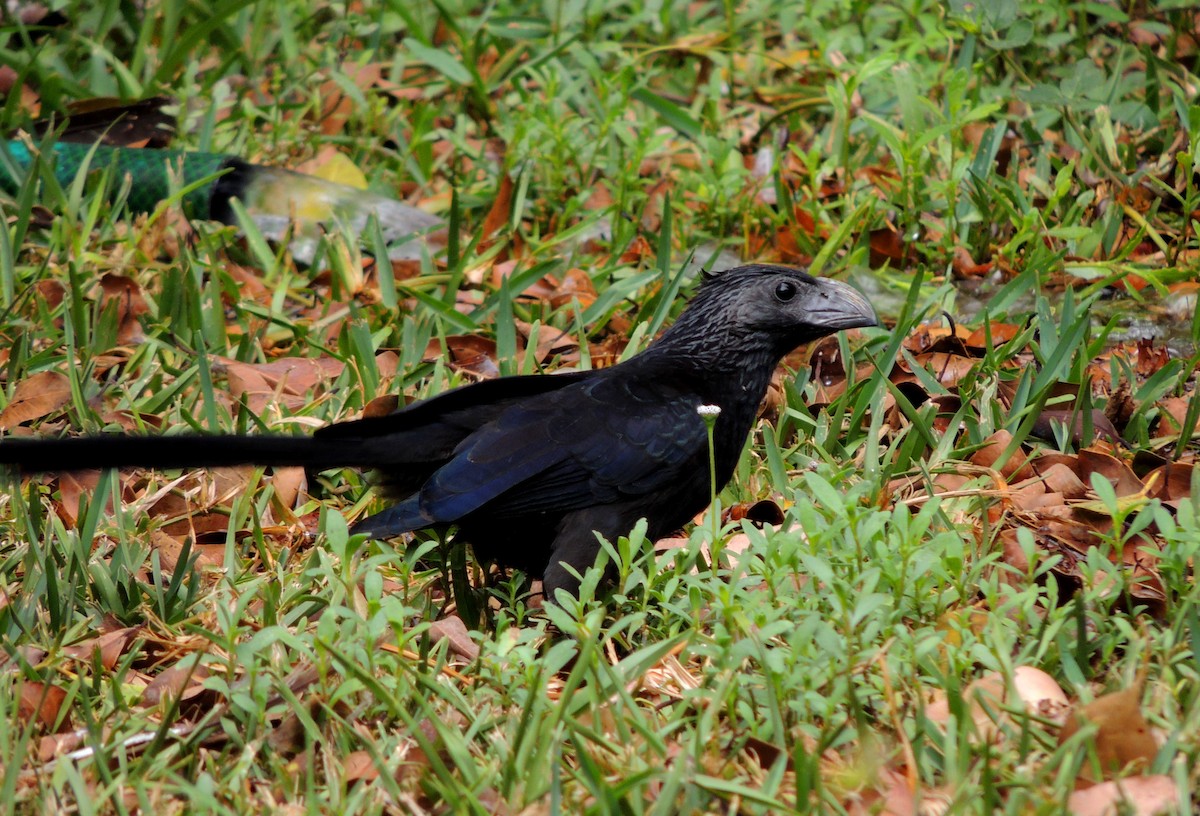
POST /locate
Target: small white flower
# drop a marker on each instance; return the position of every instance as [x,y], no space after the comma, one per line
[708,410]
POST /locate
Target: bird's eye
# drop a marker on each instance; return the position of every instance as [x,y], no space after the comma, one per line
[785,291]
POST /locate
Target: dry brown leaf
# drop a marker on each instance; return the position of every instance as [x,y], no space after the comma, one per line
[949,368]
[1124,481]
[287,380]
[337,105]
[1013,554]
[196,508]
[764,511]
[887,248]
[1061,479]
[183,681]
[1172,416]
[133,422]
[1046,502]
[733,547]
[1014,468]
[288,482]
[416,762]
[652,211]
[552,342]
[453,630]
[1051,420]
[55,745]
[985,702]
[501,208]
[250,284]
[1040,693]
[288,738]
[109,646]
[30,100]
[1121,405]
[990,697]
[896,794]
[19,656]
[34,397]
[1029,495]
[1171,482]
[828,367]
[72,487]
[576,286]
[1135,795]
[125,295]
[170,549]
[468,352]
[388,365]
[381,406]
[1000,333]
[51,293]
[1123,738]
[947,482]
[937,337]
[639,250]
[41,702]
[359,765]
[964,266]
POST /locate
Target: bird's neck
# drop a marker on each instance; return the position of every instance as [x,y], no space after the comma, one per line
[727,370]
[732,373]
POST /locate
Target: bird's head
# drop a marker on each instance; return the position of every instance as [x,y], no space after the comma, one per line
[769,310]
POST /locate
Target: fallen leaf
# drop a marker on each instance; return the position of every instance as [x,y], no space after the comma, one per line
[1040,693]
[381,406]
[453,630]
[182,682]
[34,397]
[109,647]
[576,286]
[1122,739]
[764,511]
[41,702]
[989,699]
[468,352]
[72,487]
[897,796]
[1014,468]
[501,208]
[1133,796]
[288,482]
[125,295]
[287,381]
[887,248]
[359,765]
[170,550]
[964,266]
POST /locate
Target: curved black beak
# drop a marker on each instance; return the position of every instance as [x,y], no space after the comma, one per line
[834,306]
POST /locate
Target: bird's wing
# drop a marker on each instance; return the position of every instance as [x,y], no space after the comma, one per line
[410,444]
[598,442]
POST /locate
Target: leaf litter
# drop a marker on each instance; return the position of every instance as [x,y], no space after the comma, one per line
[1025,494]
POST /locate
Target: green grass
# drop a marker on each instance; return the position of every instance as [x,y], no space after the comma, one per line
[303,669]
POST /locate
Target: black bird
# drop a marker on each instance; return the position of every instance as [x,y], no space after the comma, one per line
[529,469]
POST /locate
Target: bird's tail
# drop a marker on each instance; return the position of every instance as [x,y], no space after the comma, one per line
[399,518]
[182,451]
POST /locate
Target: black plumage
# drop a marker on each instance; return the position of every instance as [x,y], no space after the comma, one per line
[529,469]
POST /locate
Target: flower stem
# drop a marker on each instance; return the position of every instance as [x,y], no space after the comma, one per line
[709,414]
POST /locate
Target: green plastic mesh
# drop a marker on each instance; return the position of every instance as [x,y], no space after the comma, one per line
[150,170]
